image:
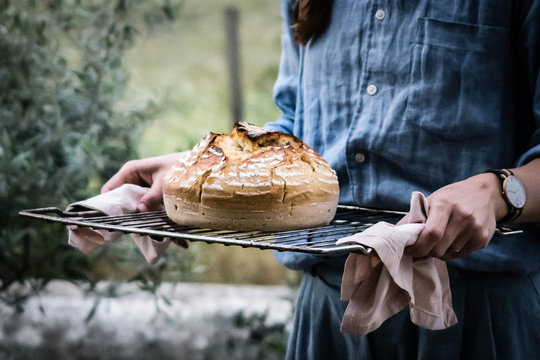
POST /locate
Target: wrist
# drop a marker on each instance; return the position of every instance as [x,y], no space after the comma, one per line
[492,184]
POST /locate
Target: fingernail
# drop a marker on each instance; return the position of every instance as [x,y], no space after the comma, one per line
[142,207]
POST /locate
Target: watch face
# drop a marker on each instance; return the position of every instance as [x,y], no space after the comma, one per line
[515,192]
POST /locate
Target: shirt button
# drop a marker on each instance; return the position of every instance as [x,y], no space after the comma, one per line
[380,14]
[371,89]
[359,158]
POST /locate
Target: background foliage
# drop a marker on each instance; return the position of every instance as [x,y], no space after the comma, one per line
[61,134]
[69,118]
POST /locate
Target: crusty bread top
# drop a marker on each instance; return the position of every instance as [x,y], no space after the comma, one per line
[251,168]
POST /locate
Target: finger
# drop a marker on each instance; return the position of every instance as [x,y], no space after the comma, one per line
[475,234]
[452,240]
[128,174]
[458,248]
[115,182]
[471,241]
[468,248]
[152,200]
[433,232]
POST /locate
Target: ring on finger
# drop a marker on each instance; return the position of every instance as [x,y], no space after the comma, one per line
[452,252]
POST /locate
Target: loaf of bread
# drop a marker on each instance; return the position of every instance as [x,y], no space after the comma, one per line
[251,179]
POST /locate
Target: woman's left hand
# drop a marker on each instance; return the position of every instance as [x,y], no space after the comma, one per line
[462,218]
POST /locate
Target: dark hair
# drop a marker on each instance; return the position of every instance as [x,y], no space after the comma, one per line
[310,18]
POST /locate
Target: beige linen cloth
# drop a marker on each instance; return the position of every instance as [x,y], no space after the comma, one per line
[380,285]
[120,201]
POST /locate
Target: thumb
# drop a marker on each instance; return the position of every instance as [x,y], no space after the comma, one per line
[152,200]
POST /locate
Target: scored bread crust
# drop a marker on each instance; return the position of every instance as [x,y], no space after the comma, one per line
[251,179]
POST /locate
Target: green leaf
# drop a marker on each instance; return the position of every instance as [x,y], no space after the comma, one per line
[166,300]
[83,13]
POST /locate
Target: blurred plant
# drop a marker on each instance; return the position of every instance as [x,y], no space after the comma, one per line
[62,131]
[267,338]
[255,337]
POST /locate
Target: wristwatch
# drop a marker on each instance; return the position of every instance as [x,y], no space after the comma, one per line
[513,193]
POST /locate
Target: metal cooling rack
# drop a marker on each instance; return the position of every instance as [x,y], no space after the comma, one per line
[349,220]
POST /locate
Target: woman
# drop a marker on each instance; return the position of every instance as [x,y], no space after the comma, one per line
[419,95]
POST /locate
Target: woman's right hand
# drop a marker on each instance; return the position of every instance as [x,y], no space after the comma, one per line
[144,172]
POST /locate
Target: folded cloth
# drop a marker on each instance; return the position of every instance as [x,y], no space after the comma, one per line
[380,285]
[122,200]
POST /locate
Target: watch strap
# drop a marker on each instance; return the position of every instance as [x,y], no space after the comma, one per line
[502,173]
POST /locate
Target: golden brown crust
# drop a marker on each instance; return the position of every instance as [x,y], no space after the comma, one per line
[251,179]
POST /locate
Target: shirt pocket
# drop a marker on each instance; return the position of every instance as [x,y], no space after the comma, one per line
[458,78]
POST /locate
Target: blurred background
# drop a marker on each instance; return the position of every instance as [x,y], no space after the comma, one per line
[86,85]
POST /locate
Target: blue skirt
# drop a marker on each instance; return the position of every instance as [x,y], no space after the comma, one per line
[498,318]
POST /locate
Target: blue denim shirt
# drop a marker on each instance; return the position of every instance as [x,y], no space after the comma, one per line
[405,95]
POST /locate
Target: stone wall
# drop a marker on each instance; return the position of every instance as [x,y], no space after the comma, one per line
[184,321]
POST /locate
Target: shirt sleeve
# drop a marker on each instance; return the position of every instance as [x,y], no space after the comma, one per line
[286,86]
[527,35]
